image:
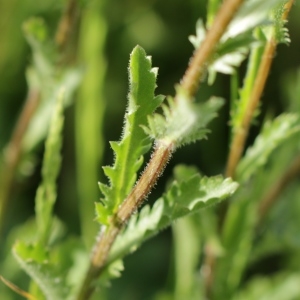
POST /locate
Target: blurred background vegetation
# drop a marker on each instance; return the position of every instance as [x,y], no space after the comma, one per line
[103,35]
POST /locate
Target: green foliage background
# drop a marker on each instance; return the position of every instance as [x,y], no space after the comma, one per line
[162,29]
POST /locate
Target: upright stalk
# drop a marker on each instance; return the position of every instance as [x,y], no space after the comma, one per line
[161,155]
[89,114]
[241,134]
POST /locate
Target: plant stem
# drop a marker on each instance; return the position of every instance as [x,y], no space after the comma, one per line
[191,78]
[241,134]
[158,161]
[102,248]
[272,196]
[13,151]
[161,155]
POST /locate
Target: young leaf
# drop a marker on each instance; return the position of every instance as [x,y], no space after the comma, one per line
[182,198]
[46,193]
[183,122]
[134,143]
[35,261]
[272,135]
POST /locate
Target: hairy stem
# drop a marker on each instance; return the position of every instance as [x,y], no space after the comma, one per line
[102,248]
[162,153]
[13,151]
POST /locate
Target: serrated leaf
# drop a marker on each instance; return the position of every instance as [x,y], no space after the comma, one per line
[183,198]
[272,135]
[35,262]
[184,121]
[134,143]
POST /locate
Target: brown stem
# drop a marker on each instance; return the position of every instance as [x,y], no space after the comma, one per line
[241,134]
[13,151]
[162,153]
[154,169]
[272,196]
[98,260]
[191,78]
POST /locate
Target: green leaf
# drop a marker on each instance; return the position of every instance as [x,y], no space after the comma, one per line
[183,198]
[183,121]
[46,193]
[278,31]
[134,143]
[281,286]
[272,135]
[240,106]
[34,260]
